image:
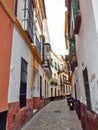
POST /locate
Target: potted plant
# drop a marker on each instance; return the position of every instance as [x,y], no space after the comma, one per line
[51,82]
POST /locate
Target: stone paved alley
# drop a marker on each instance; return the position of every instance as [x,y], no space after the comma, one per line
[55,116]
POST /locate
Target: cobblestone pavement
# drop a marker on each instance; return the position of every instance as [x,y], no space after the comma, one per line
[55,116]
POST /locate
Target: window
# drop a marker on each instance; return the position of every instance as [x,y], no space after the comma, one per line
[55,65]
[47,90]
[25,14]
[25,8]
[40,87]
[16,5]
[55,92]
[28,18]
[34,79]
[51,62]
[58,92]
[23,83]
[42,48]
[55,75]
[51,92]
[87,91]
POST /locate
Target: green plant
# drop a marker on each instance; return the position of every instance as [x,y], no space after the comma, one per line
[53,83]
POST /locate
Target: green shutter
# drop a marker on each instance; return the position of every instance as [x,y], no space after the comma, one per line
[75,9]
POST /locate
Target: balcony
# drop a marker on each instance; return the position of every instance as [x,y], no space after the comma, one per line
[47,68]
[37,43]
[47,51]
[39,19]
[47,59]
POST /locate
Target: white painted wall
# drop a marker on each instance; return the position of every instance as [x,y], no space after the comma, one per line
[19,50]
[87,50]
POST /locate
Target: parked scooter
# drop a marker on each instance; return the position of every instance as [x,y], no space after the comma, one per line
[71,102]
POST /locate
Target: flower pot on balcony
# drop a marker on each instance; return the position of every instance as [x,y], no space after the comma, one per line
[51,82]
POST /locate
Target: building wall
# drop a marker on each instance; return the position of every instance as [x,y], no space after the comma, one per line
[87,52]
[6,30]
[19,50]
[54,73]
[16,115]
[13,48]
[60,90]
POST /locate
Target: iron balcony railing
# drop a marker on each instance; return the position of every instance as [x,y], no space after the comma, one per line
[47,59]
[47,50]
[38,44]
[47,68]
[39,18]
[28,18]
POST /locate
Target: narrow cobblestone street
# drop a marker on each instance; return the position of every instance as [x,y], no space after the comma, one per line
[55,116]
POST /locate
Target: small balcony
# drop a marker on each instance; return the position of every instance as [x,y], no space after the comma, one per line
[37,44]
[66,81]
[47,68]
[47,59]
[47,51]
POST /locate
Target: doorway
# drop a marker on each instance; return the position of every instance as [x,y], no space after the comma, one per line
[87,90]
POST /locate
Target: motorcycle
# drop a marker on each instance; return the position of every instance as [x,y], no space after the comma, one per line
[71,102]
